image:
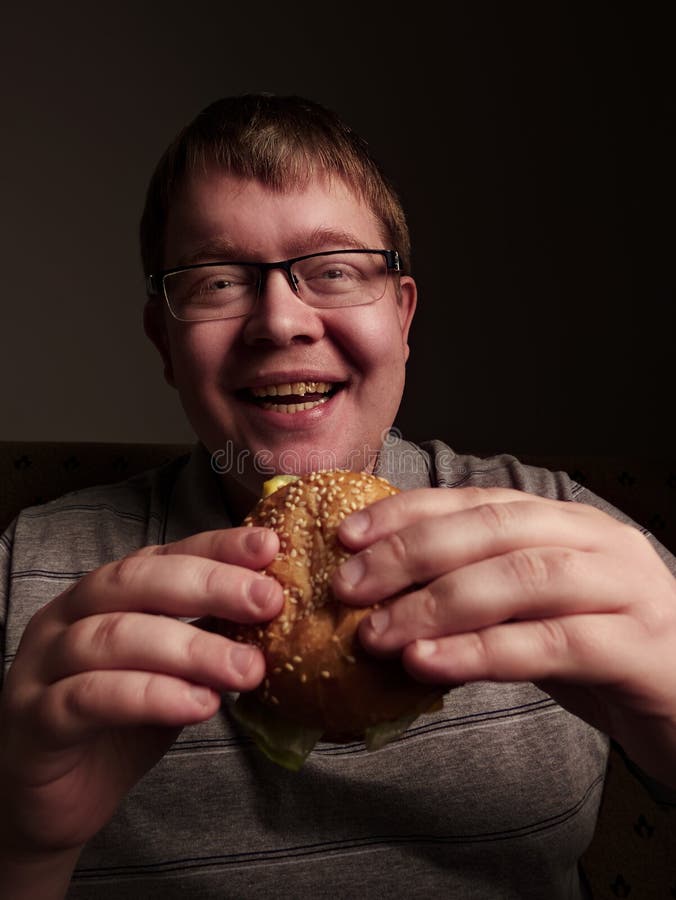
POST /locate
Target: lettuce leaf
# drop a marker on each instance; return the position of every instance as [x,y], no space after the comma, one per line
[288,744]
[284,742]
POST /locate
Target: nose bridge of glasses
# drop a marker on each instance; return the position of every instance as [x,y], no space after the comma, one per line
[267,269]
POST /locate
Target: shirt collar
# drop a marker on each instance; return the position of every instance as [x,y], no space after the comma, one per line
[197,502]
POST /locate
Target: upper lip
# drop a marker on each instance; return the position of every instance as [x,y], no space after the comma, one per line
[290,377]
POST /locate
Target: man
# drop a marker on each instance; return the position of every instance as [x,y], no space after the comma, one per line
[556,620]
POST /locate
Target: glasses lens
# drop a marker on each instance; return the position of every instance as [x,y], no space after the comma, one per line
[349,278]
[211,292]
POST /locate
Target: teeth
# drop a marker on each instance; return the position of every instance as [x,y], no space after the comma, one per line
[299,388]
[293,407]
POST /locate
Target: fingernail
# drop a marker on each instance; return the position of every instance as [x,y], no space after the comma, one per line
[260,592]
[380,621]
[201,695]
[241,657]
[255,541]
[425,648]
[353,570]
[357,524]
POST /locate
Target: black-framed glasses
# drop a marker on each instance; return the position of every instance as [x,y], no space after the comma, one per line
[225,290]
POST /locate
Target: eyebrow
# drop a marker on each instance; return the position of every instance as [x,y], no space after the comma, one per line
[322,238]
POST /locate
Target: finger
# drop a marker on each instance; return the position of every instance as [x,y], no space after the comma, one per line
[378,519]
[252,548]
[176,585]
[575,649]
[134,641]
[433,545]
[524,584]
[84,704]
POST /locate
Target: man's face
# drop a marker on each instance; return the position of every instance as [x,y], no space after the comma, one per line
[227,370]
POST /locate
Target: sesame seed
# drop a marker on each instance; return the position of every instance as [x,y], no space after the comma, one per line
[325,673]
[288,667]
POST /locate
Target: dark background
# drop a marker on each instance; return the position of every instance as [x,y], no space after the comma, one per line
[533,146]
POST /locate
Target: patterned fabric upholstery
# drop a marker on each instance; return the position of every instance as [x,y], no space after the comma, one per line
[634,852]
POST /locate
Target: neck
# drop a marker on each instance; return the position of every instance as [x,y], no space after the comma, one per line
[239,498]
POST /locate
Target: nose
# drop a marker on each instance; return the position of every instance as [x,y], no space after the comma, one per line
[280,317]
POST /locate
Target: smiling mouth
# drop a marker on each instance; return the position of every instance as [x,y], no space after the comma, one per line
[293,397]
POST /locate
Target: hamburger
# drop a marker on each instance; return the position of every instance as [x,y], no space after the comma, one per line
[320,683]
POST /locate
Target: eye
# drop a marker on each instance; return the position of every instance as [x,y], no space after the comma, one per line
[219,284]
[330,274]
[334,274]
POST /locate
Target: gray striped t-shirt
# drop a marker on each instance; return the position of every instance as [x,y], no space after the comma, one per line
[496,796]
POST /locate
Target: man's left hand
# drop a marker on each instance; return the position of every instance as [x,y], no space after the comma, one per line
[495,584]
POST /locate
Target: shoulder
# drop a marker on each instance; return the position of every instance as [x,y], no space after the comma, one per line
[451,469]
[92,525]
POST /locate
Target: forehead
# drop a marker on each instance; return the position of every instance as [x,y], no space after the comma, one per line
[216,214]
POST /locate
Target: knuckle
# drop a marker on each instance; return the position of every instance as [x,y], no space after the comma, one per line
[109,632]
[428,606]
[193,650]
[481,648]
[211,578]
[553,639]
[152,550]
[497,516]
[474,495]
[79,695]
[125,572]
[146,692]
[530,568]
[399,548]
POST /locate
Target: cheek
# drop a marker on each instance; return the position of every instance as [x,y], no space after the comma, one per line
[374,340]
[197,354]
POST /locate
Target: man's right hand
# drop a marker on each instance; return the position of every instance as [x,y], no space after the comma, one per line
[107,674]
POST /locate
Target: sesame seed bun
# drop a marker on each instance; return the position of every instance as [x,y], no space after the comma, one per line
[318,675]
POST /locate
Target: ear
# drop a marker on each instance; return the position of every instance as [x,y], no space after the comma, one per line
[155,327]
[407,301]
